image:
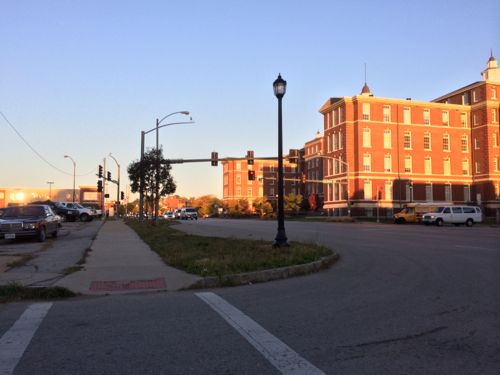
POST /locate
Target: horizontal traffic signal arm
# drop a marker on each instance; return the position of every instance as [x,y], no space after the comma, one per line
[182,161]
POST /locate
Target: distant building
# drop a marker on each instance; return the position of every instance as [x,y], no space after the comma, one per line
[386,152]
[313,167]
[20,195]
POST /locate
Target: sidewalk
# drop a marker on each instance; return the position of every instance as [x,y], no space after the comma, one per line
[120,262]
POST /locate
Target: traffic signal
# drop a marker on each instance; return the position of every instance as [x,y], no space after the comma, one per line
[250,157]
[109,176]
[100,171]
[293,156]
[215,158]
[106,195]
[99,186]
[251,175]
[122,195]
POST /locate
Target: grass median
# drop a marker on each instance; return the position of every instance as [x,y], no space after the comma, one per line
[212,256]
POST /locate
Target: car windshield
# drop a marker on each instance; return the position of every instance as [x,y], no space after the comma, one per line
[190,210]
[24,211]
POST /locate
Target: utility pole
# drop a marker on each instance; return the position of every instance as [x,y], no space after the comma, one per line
[103,217]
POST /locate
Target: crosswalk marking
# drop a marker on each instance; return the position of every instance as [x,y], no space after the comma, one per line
[275,351]
[15,341]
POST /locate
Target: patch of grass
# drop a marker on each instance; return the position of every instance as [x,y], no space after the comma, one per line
[211,256]
[17,292]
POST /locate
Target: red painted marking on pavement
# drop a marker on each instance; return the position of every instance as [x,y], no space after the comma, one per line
[109,286]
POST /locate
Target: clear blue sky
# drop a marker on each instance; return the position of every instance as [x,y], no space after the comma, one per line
[85,77]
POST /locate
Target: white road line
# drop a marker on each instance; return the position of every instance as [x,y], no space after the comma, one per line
[277,352]
[15,341]
[474,247]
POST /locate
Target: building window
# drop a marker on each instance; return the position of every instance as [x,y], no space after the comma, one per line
[474,96]
[387,138]
[466,98]
[407,115]
[495,140]
[497,190]
[427,165]
[493,93]
[238,179]
[340,115]
[388,190]
[387,113]
[445,118]
[340,141]
[408,164]
[446,142]
[335,141]
[496,161]
[428,192]
[261,191]
[465,167]
[238,191]
[238,166]
[427,141]
[474,119]
[367,138]
[427,116]
[367,162]
[335,117]
[250,192]
[447,193]
[466,193]
[366,111]
[464,143]
[367,190]
[388,163]
[476,144]
[463,120]
[494,116]
[478,167]
[447,166]
[407,140]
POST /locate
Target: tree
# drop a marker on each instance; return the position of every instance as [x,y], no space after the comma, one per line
[238,208]
[152,160]
[262,206]
[207,205]
[292,203]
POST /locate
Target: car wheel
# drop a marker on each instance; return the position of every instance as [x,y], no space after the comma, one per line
[400,220]
[469,222]
[42,234]
[84,217]
[439,222]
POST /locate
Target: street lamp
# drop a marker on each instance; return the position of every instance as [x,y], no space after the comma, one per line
[143,133]
[118,184]
[50,189]
[279,87]
[74,174]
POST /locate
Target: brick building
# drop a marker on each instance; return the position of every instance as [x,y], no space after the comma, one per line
[383,152]
[237,186]
[313,167]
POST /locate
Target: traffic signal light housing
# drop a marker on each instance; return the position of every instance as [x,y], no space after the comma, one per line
[100,171]
[109,176]
[99,186]
[215,158]
[251,175]
[250,157]
[122,195]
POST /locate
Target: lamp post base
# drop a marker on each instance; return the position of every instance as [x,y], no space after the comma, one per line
[281,240]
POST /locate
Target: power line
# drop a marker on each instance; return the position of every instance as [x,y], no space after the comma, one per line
[36,152]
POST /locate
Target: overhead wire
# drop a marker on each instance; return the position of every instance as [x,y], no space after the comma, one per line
[37,153]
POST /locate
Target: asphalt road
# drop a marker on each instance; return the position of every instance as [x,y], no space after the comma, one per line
[401,300]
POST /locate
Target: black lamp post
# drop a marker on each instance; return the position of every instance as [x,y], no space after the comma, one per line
[279,87]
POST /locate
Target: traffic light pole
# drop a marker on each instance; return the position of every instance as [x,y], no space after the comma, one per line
[103,208]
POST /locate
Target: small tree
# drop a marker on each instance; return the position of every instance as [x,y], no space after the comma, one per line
[262,207]
[153,160]
[292,203]
[207,205]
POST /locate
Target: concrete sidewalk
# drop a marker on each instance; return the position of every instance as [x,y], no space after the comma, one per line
[120,262]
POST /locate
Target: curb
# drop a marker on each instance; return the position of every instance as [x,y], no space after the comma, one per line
[266,275]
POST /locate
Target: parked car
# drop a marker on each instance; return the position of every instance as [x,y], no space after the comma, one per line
[169,215]
[457,215]
[85,214]
[412,212]
[177,213]
[189,213]
[29,221]
[96,209]
[68,214]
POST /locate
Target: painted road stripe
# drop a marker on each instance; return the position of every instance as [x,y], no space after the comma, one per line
[15,341]
[277,352]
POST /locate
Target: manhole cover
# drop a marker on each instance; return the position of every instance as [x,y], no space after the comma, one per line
[109,286]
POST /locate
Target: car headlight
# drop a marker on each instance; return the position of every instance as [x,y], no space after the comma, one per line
[29,226]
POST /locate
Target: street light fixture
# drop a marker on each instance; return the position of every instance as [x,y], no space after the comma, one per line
[143,133]
[279,87]
[74,174]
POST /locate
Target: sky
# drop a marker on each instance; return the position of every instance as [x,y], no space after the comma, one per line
[83,78]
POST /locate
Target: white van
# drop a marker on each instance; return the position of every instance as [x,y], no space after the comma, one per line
[456,215]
